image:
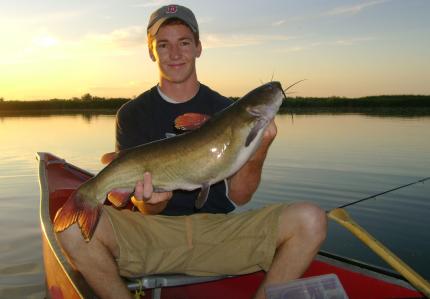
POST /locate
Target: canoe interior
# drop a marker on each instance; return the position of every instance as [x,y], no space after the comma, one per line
[59,179]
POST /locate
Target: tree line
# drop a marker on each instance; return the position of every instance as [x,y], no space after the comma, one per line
[89,102]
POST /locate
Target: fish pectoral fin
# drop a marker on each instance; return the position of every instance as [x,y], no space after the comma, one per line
[76,210]
[256,111]
[203,196]
[190,121]
[119,197]
[254,131]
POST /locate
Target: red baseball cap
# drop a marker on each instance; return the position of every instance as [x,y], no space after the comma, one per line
[164,13]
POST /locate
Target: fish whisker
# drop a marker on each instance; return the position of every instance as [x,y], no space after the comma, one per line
[293,84]
[285,90]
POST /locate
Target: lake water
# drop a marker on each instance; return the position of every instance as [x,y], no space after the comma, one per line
[327,159]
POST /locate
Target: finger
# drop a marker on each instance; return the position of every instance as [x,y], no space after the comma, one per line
[160,197]
[147,185]
[271,128]
[138,190]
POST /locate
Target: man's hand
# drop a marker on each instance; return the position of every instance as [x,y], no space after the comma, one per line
[245,181]
[148,201]
[271,131]
[145,199]
[268,137]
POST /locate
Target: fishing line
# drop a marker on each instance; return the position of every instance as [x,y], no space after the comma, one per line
[381,193]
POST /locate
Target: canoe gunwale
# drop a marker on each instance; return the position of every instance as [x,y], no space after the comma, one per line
[81,287]
[379,273]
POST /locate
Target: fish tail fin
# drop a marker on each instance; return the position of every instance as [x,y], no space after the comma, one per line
[76,210]
[88,220]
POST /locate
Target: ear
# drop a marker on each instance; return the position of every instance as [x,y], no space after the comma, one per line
[199,49]
[151,53]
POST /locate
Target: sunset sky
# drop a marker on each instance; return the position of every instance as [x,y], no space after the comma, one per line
[64,48]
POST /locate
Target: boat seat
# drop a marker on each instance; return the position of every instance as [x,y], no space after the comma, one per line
[157,282]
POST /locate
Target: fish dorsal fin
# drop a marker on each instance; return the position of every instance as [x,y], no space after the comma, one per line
[190,121]
[119,197]
[203,196]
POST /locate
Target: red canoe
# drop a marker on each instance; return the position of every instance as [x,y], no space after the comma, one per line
[59,178]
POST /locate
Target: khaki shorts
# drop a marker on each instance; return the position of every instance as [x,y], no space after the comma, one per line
[200,244]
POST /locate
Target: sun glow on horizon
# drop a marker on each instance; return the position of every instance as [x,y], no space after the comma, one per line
[67,50]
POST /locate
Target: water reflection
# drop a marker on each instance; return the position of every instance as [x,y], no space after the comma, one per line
[88,115]
[330,159]
[371,111]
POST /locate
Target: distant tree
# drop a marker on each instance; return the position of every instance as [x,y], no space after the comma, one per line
[1,100]
[87,97]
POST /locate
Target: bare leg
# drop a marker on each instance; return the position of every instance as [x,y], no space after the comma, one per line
[302,229]
[96,259]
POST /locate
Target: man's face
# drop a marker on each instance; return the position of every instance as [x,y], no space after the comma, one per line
[175,51]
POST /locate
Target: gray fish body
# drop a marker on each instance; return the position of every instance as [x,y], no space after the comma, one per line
[200,158]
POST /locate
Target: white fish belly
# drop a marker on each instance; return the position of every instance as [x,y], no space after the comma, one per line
[244,154]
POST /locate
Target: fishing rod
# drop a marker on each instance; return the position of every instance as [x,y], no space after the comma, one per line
[342,217]
[381,193]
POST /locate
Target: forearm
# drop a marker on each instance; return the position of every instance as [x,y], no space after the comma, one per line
[243,184]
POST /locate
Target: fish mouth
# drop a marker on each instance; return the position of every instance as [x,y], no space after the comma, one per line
[283,94]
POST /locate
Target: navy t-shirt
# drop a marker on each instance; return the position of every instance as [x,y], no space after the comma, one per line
[149,117]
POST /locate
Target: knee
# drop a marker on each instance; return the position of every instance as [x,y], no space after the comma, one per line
[78,250]
[306,220]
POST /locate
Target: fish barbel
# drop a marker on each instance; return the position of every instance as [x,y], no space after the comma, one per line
[197,159]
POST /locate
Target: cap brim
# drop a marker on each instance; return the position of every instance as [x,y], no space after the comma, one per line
[154,28]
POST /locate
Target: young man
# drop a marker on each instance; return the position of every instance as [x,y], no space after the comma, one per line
[174,44]
[280,239]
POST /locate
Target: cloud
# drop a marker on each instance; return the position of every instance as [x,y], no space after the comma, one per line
[294,49]
[43,46]
[42,18]
[128,37]
[45,41]
[352,41]
[238,40]
[353,9]
[153,3]
[278,23]
[340,42]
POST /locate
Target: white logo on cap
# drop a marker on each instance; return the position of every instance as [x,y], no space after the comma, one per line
[171,9]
